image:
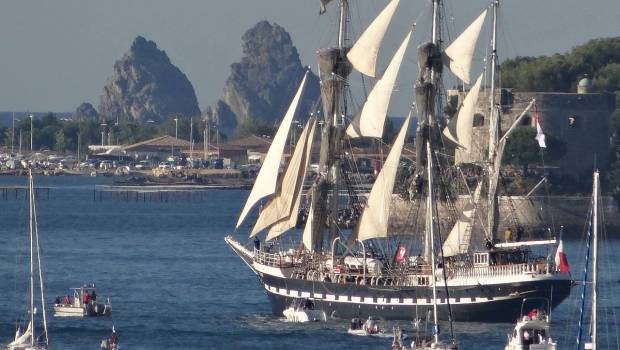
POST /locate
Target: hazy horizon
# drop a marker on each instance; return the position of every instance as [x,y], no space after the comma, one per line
[59,54]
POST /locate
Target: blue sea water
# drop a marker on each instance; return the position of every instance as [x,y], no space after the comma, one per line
[174,284]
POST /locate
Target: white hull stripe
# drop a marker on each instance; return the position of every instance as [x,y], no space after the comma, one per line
[380,301]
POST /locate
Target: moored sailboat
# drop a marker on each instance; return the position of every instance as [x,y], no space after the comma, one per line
[359,273]
[28,338]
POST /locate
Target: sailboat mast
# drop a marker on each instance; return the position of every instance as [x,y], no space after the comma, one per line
[595,259]
[31,227]
[429,229]
[493,130]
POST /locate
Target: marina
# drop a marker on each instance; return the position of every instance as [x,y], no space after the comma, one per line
[118,247]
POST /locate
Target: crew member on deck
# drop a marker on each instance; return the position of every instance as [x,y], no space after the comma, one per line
[85,297]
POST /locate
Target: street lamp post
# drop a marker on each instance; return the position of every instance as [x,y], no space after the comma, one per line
[103,125]
[176,133]
[13,133]
[31,132]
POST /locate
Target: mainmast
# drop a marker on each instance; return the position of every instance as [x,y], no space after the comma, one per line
[595,260]
[493,133]
[430,232]
[31,227]
[334,69]
[426,90]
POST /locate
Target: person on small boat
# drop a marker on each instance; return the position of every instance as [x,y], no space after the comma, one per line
[356,323]
[85,298]
[57,301]
[93,296]
[66,300]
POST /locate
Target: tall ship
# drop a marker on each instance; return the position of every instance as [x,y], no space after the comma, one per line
[369,266]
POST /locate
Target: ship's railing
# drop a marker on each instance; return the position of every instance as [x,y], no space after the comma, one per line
[278,259]
[534,268]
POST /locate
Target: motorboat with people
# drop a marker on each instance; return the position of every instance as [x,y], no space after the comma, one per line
[371,327]
[26,336]
[302,310]
[82,302]
[111,342]
[532,329]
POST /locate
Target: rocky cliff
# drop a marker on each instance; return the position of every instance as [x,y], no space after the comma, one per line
[262,85]
[147,86]
[85,111]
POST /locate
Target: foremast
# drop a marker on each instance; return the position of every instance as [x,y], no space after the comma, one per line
[334,68]
[494,126]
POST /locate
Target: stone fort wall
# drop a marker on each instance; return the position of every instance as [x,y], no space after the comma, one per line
[580,120]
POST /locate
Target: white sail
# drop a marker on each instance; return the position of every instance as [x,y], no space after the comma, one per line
[22,339]
[363,55]
[307,234]
[279,206]
[374,220]
[288,223]
[465,117]
[290,220]
[266,181]
[371,120]
[459,238]
[459,54]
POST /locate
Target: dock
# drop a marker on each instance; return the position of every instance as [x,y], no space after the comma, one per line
[21,192]
[156,193]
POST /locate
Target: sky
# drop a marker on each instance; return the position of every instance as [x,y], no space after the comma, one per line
[56,54]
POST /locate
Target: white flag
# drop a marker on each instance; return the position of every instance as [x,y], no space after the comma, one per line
[540,136]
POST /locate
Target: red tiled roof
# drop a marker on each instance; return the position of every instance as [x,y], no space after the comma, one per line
[158,142]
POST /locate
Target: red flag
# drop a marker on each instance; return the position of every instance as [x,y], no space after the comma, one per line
[561,262]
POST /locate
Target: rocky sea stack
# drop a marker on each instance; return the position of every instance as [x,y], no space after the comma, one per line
[147,86]
[262,85]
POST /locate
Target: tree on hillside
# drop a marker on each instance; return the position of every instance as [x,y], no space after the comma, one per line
[522,148]
[254,127]
[561,72]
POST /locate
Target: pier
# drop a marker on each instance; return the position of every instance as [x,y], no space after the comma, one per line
[21,192]
[155,193]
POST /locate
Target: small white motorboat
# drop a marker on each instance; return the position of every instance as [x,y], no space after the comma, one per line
[532,329]
[81,302]
[303,311]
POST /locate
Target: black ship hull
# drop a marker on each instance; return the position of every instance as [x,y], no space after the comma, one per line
[469,302]
[498,303]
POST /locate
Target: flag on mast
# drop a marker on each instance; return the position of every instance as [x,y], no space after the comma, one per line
[540,135]
[561,262]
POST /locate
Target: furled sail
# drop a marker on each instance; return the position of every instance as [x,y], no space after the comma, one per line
[371,120]
[374,220]
[280,205]
[307,234]
[290,220]
[363,55]
[459,54]
[465,118]
[266,181]
[459,238]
